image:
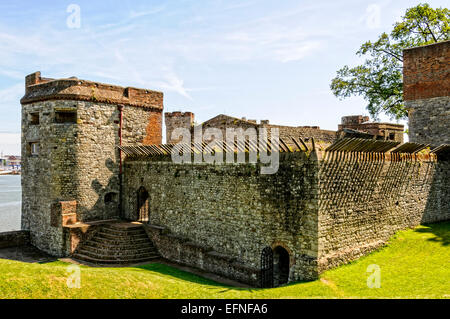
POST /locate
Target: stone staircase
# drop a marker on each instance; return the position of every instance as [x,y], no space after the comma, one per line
[117,243]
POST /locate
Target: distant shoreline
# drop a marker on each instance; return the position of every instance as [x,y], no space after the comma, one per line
[3,173]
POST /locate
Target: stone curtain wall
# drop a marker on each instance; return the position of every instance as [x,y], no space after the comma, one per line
[365,198]
[426,74]
[231,211]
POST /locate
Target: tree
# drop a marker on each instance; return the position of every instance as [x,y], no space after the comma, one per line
[379,79]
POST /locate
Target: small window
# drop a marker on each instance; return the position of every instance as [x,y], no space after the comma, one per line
[34,119]
[34,148]
[66,117]
[392,136]
[110,198]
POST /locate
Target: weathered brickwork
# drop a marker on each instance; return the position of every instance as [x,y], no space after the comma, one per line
[426,71]
[77,157]
[232,210]
[426,93]
[366,197]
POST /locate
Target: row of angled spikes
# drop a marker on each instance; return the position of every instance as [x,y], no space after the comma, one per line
[250,146]
[361,145]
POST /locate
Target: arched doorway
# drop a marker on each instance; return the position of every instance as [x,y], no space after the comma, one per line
[143,205]
[280,266]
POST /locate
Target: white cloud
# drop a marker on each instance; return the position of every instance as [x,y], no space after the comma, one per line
[138,14]
[12,94]
[10,143]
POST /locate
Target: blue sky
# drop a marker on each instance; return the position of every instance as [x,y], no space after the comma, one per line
[254,58]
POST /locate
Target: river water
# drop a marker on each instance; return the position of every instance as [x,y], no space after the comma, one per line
[10,202]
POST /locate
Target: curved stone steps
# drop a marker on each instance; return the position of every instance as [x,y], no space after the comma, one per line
[119,251]
[92,260]
[125,236]
[117,243]
[114,242]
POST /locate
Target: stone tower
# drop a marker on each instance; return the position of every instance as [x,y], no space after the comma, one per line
[174,120]
[426,73]
[71,130]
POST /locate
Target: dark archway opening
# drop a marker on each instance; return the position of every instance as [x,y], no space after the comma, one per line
[143,205]
[281,263]
[112,204]
[266,268]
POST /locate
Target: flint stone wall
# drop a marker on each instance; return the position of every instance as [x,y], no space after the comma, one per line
[230,210]
[365,198]
[429,120]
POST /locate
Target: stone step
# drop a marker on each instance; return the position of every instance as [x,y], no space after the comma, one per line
[121,257]
[119,251]
[119,231]
[103,234]
[123,226]
[116,242]
[122,246]
[112,261]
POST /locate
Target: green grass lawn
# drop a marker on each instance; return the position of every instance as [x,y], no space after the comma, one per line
[415,264]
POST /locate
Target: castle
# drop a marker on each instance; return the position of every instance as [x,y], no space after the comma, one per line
[93,163]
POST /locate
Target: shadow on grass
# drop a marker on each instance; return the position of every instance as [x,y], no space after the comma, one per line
[440,230]
[167,270]
[27,254]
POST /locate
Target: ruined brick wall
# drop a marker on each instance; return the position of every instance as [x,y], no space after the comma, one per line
[231,211]
[426,77]
[78,158]
[365,198]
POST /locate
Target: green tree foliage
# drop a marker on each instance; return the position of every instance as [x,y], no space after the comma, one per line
[379,79]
